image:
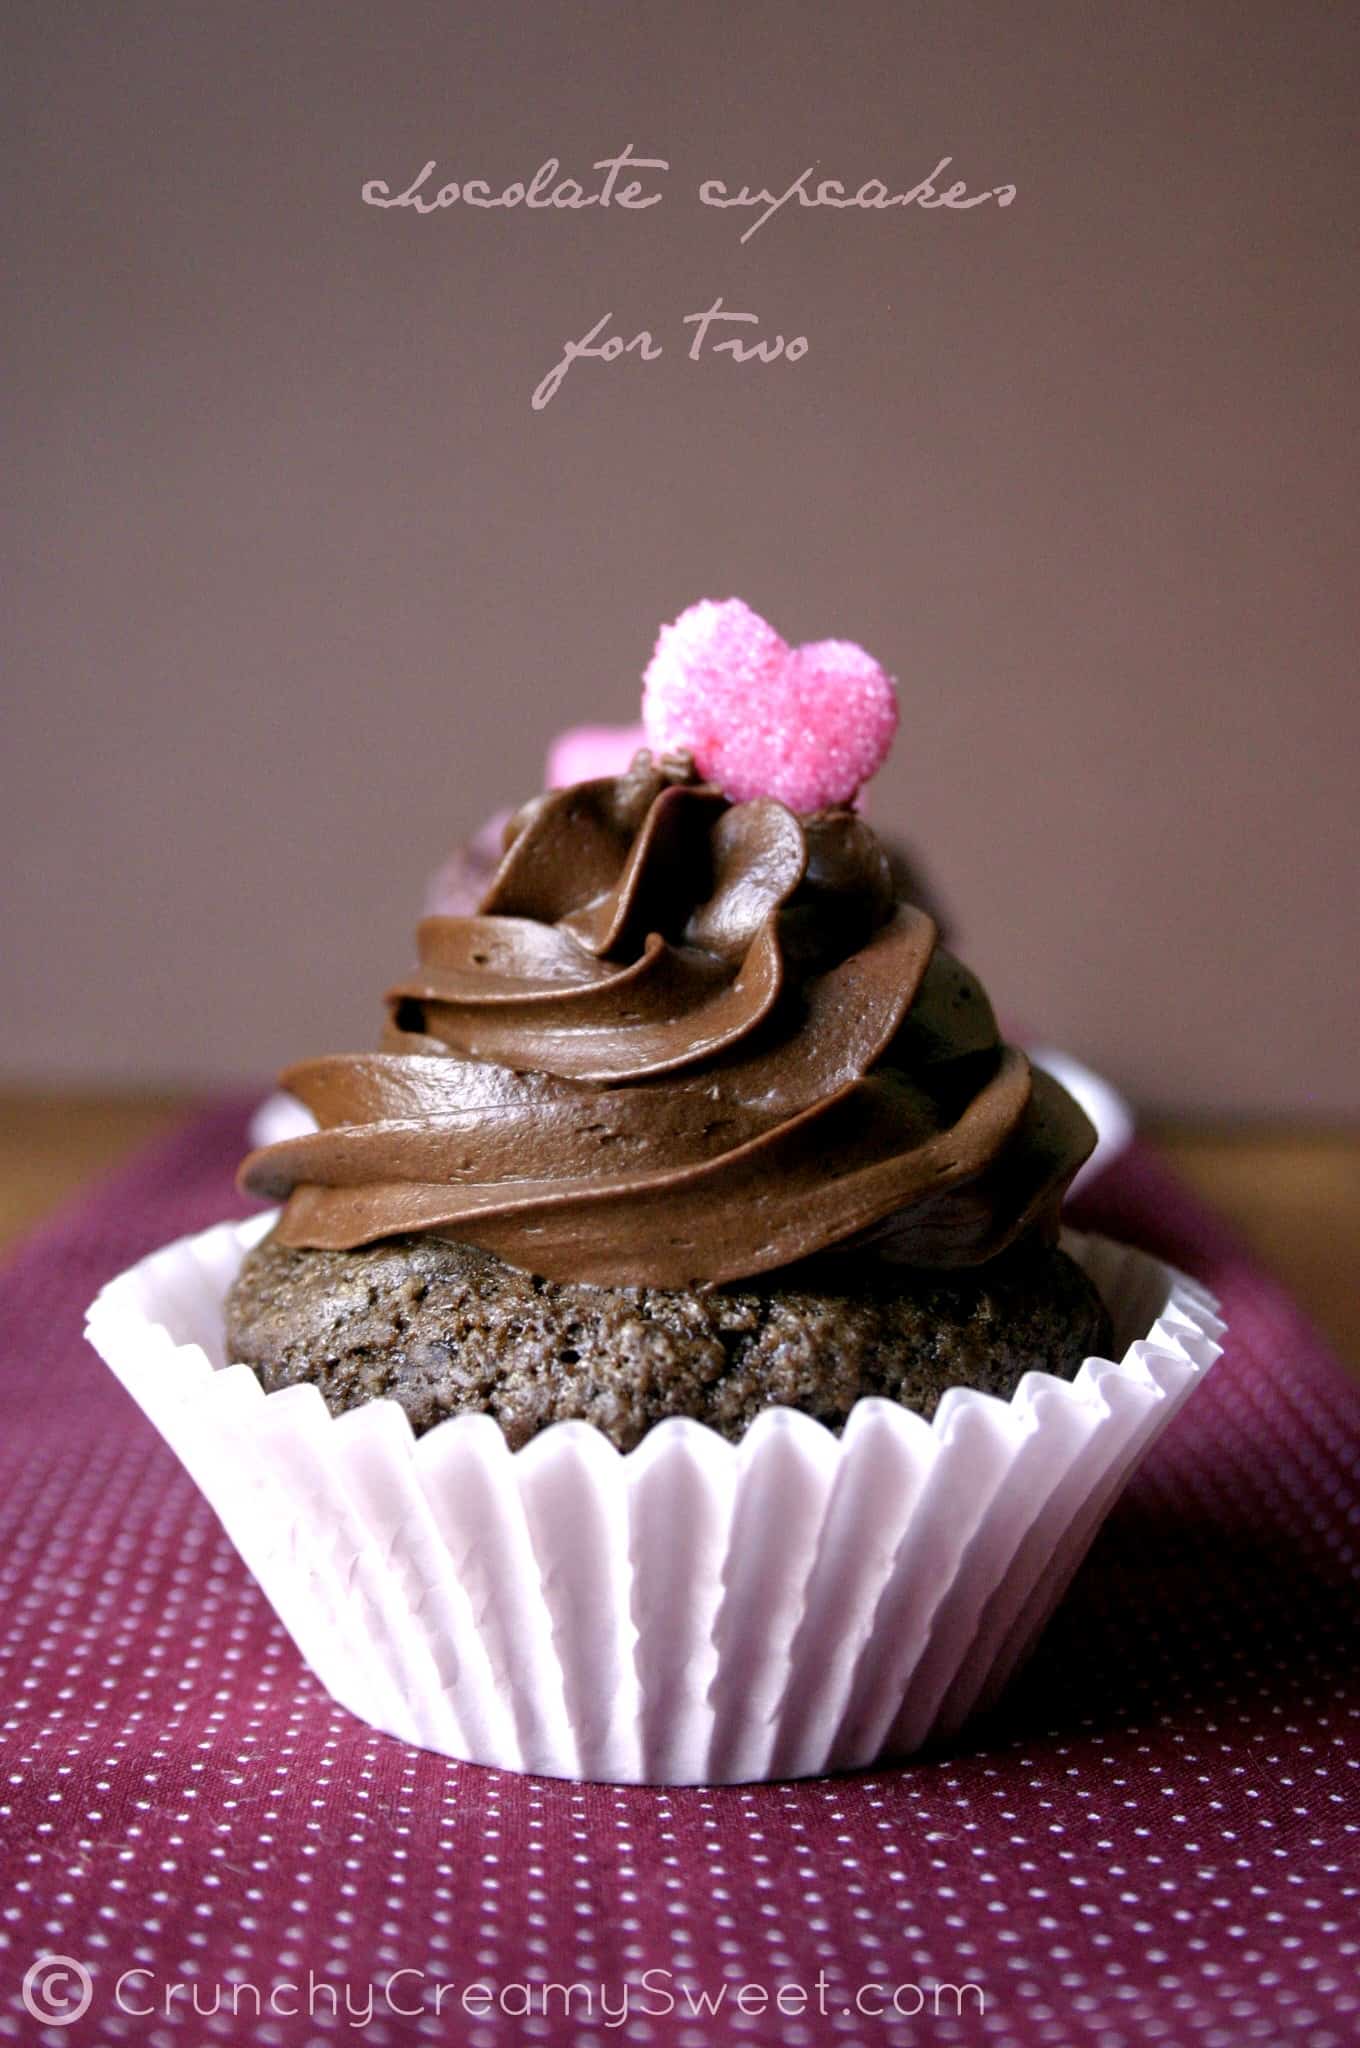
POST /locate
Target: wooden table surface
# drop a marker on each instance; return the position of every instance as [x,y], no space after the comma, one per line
[1293,1194]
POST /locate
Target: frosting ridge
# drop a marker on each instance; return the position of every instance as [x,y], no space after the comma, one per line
[682,1041]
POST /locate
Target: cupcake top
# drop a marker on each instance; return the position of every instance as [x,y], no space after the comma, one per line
[684,1040]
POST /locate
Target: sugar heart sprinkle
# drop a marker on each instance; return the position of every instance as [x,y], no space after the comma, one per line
[808,725]
[583,752]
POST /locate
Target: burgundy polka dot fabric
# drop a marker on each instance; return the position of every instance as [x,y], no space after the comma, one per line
[1153,1841]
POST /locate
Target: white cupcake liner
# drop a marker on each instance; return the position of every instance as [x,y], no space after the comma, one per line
[695,1612]
[278,1117]
[1110,1114]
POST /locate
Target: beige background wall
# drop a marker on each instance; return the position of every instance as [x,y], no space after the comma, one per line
[301,584]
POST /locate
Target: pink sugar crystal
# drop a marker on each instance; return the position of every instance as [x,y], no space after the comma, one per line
[807,725]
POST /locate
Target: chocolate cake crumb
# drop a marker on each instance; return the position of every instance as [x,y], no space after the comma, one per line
[446,1329]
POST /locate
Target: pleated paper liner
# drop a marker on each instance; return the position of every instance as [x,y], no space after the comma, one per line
[695,1612]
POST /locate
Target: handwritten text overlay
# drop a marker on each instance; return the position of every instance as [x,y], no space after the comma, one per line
[634,184]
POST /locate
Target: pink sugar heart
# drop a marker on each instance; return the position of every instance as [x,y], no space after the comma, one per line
[808,725]
[583,752]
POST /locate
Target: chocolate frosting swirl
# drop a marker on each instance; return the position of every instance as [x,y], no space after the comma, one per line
[682,1042]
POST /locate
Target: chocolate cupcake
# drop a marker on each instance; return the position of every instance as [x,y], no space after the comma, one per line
[694,1117]
[665,1363]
